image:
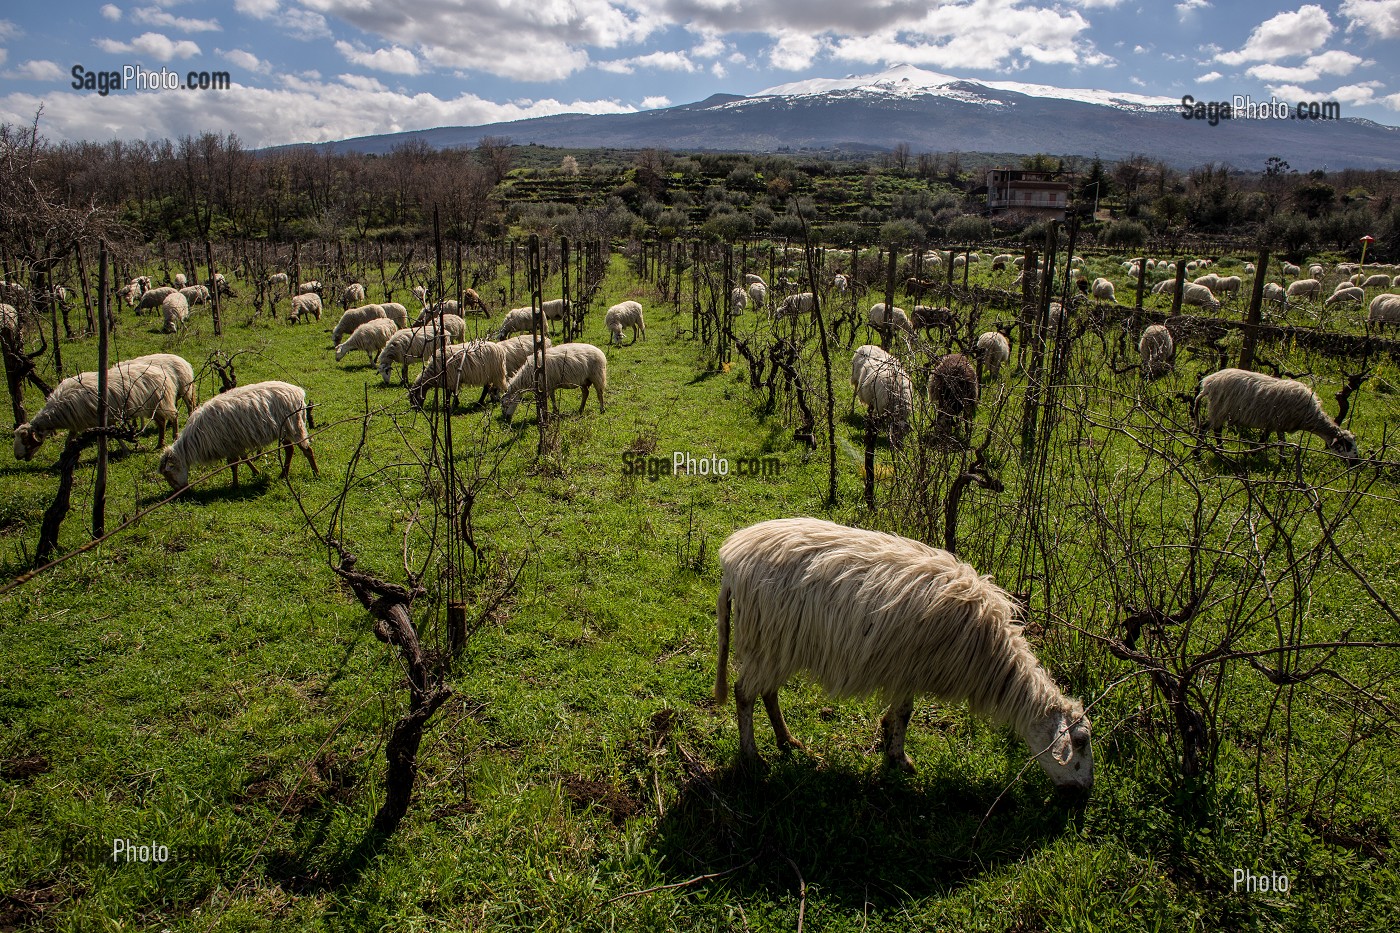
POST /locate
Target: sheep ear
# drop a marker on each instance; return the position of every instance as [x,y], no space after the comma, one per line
[1062,749]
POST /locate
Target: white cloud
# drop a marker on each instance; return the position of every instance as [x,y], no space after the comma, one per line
[362,83]
[1209,76]
[151,44]
[9,30]
[1283,36]
[1096,4]
[152,16]
[794,51]
[245,60]
[709,46]
[1291,93]
[1185,8]
[1137,82]
[1380,18]
[258,9]
[111,11]
[300,110]
[4,54]
[1358,95]
[718,70]
[654,103]
[38,70]
[660,61]
[1335,62]
[396,60]
[1392,101]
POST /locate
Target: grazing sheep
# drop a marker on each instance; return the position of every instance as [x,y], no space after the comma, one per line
[470,299]
[1344,294]
[371,336]
[134,390]
[993,352]
[1376,281]
[305,305]
[752,279]
[1229,285]
[738,300]
[130,293]
[1249,268]
[353,318]
[555,310]
[277,278]
[1192,266]
[1058,318]
[1209,280]
[1304,288]
[478,363]
[839,283]
[518,350]
[865,611]
[1274,292]
[431,312]
[179,371]
[952,387]
[195,294]
[1156,349]
[407,346]
[1200,296]
[758,294]
[894,317]
[887,393]
[1315,271]
[174,309]
[395,312]
[154,297]
[221,285]
[354,294]
[1347,268]
[1103,290]
[180,280]
[1246,399]
[239,422]
[1290,269]
[1356,279]
[622,315]
[794,305]
[313,286]
[1385,309]
[864,355]
[515,321]
[571,366]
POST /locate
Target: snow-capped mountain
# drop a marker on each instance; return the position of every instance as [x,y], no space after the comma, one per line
[938,113]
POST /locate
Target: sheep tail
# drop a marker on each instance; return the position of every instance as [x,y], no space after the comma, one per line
[722,672]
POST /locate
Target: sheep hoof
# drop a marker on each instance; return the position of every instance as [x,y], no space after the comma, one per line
[790,744]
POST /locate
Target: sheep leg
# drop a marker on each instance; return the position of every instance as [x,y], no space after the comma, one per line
[583,398]
[775,716]
[310,458]
[285,455]
[896,727]
[743,701]
[233,462]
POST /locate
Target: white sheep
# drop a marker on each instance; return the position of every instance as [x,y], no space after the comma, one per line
[1249,268]
[239,422]
[1156,349]
[1290,269]
[1274,292]
[277,278]
[1200,296]
[353,318]
[1347,268]
[793,305]
[738,299]
[1229,285]
[1209,280]
[887,393]
[412,345]
[1376,281]
[865,611]
[180,280]
[515,321]
[1102,290]
[895,317]
[866,354]
[371,336]
[1304,288]
[1315,271]
[134,390]
[395,312]
[174,309]
[518,350]
[1246,399]
[623,315]
[9,319]
[305,305]
[478,363]
[354,294]
[571,366]
[758,294]
[751,279]
[993,352]
[312,286]
[196,294]
[839,283]
[1346,294]
[154,297]
[1384,310]
[555,310]
[179,371]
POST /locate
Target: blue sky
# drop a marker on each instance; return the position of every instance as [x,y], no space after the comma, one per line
[314,70]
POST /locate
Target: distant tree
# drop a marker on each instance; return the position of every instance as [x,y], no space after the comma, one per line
[569,166]
[1315,196]
[495,154]
[899,157]
[970,228]
[1124,234]
[649,170]
[896,233]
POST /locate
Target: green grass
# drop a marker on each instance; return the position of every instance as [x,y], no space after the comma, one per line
[203,681]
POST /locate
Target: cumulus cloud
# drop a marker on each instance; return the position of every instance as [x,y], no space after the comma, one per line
[299,110]
[1358,95]
[1335,62]
[1209,76]
[396,60]
[151,44]
[296,22]
[1380,18]
[653,103]
[1285,35]
[9,30]
[111,11]
[258,9]
[39,70]
[154,16]
[244,59]
[794,51]
[1185,8]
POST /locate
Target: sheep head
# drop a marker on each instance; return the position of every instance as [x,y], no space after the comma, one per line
[27,440]
[174,469]
[1344,444]
[1061,742]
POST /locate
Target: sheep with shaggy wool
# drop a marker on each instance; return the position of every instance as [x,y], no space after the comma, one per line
[314,286]
[515,321]
[239,422]
[751,279]
[1384,311]
[840,283]
[1229,285]
[1347,268]
[887,393]
[555,310]
[993,352]
[1210,280]
[395,312]
[1246,399]
[134,391]
[1273,292]
[518,349]
[1378,280]
[477,363]
[1315,271]
[758,294]
[153,298]
[195,294]
[738,300]
[1290,269]
[953,389]
[893,317]
[1199,296]
[1156,348]
[179,371]
[1305,288]
[180,280]
[570,366]
[9,319]
[1346,294]
[352,318]
[794,305]
[174,310]
[866,612]
[371,336]
[623,315]
[412,345]
[864,355]
[305,306]
[277,278]
[354,294]
[1102,290]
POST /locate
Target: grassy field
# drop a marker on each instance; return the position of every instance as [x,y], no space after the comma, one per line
[202,681]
